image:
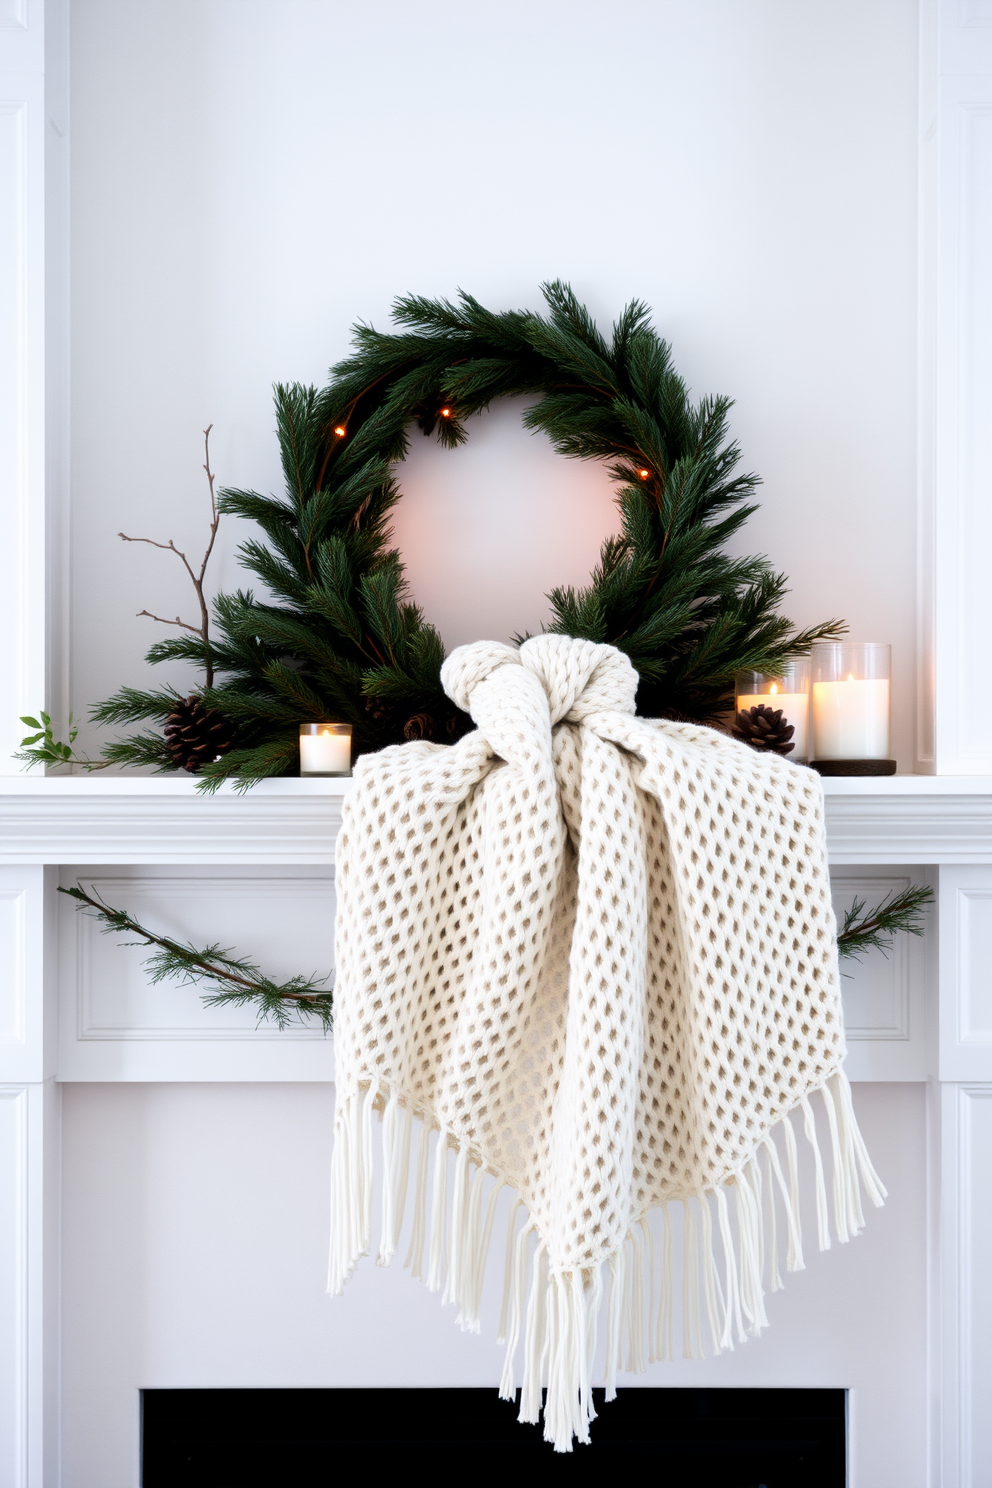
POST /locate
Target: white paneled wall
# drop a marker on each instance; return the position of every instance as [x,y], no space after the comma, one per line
[236,202]
[956,376]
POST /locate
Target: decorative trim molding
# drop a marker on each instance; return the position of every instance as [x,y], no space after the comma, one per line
[907,819]
[885,997]
[114,1025]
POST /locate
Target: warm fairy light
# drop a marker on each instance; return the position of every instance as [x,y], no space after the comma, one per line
[340,431]
[445,412]
[644,474]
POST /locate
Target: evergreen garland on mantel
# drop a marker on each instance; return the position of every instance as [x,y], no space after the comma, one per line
[335,634]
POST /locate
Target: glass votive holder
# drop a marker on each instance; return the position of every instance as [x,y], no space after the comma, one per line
[850,686]
[788,691]
[325,748]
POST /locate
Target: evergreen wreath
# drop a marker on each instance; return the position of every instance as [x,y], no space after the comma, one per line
[336,635]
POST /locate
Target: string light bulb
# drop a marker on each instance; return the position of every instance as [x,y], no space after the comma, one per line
[644,474]
[340,431]
[445,412]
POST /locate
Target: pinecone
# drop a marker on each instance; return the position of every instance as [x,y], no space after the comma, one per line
[764,728]
[419,726]
[195,735]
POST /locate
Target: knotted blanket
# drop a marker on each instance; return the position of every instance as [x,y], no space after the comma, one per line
[594,954]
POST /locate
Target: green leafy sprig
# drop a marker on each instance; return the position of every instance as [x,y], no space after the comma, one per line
[236,980]
[42,747]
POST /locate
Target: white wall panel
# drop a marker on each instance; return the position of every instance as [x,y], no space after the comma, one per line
[13,967]
[25,962]
[885,994]
[965,918]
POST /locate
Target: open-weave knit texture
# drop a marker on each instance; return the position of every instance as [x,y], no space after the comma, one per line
[597,955]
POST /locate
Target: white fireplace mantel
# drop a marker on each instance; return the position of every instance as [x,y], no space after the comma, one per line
[256,869]
[91,819]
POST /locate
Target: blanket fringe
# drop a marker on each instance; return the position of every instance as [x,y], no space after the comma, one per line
[730,1250]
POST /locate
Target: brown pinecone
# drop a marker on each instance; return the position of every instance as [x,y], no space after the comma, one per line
[195,735]
[419,726]
[764,728]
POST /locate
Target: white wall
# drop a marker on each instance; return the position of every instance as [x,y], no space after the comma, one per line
[251,176]
[194,1253]
[248,178]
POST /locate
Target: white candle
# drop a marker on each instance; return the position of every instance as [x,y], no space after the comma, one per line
[795,707]
[325,753]
[851,718]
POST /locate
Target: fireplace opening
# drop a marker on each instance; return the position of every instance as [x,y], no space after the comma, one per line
[706,1438]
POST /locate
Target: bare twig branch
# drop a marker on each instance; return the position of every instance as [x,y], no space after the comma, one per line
[162,621]
[203,629]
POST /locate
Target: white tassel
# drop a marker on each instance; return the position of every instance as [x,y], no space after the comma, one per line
[845,1222]
[535,1337]
[614,1322]
[507,1388]
[822,1221]
[664,1344]
[730,1275]
[691,1348]
[508,1271]
[748,1229]
[771,1239]
[558,1314]
[458,1247]
[793,1201]
[874,1186]
[469,1318]
[716,1307]
[418,1236]
[396,1127]
[436,1266]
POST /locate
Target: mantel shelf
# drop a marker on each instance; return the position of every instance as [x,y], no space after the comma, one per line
[141,819]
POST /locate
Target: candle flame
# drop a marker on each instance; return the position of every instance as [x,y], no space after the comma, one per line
[850,676]
[773,689]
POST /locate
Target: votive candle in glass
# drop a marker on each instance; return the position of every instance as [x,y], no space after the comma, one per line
[851,700]
[789,690]
[325,748]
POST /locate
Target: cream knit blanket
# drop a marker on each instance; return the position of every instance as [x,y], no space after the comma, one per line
[595,954]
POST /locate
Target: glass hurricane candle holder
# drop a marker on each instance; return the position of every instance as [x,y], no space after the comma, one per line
[851,707]
[789,691]
[325,748]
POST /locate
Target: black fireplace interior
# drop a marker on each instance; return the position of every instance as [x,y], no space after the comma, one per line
[294,1438]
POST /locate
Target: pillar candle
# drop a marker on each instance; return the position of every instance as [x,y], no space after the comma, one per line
[851,718]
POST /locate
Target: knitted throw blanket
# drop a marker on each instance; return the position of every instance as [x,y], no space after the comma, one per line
[590,957]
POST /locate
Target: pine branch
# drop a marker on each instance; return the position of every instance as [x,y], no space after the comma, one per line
[236,980]
[900,911]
